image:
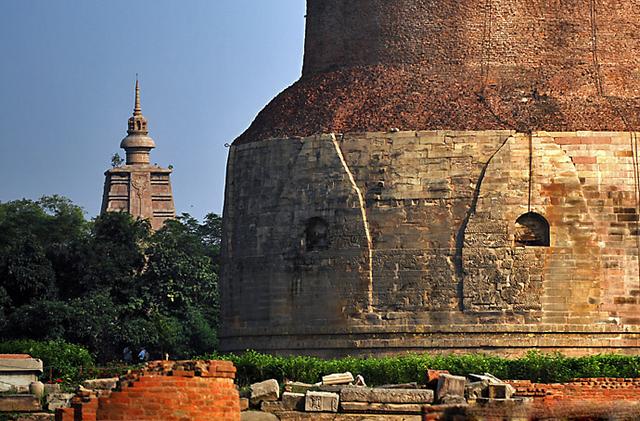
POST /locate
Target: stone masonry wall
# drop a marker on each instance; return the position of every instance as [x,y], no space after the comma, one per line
[388,242]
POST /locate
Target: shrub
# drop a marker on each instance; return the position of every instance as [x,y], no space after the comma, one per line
[535,366]
[61,359]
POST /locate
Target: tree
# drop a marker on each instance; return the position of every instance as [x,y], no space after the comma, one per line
[116,160]
[110,282]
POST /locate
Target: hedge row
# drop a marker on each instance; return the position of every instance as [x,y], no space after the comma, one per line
[534,366]
[64,361]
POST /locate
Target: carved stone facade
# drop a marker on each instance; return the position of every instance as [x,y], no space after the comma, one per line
[139,188]
[485,194]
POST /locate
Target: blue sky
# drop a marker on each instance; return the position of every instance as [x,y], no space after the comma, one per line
[66,88]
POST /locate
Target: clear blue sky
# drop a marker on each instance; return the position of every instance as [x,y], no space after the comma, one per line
[66,88]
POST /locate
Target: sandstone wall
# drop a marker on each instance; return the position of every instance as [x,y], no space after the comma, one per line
[386,242]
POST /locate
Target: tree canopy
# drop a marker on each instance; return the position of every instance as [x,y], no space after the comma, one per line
[110,282]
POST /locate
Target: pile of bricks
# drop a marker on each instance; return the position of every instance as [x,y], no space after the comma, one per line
[166,390]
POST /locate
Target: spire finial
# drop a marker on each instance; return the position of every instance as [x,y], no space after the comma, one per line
[137,110]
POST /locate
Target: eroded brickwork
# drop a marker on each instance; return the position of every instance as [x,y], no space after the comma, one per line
[374,65]
[165,390]
[446,267]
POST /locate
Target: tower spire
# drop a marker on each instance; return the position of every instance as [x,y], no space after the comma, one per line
[137,144]
[137,110]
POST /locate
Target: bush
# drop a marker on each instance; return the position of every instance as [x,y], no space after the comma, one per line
[61,360]
[535,366]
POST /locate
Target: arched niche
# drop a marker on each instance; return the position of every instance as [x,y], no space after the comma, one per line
[316,234]
[532,229]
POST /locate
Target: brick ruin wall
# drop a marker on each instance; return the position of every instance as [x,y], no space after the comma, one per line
[204,393]
[387,242]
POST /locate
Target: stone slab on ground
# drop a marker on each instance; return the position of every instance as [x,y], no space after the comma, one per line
[378,395]
[321,402]
[268,390]
[338,378]
[384,408]
[19,403]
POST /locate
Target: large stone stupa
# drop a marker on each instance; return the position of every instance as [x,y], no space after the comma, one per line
[445,176]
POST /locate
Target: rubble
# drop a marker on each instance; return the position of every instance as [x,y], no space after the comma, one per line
[321,402]
[378,395]
[268,390]
[449,385]
[338,378]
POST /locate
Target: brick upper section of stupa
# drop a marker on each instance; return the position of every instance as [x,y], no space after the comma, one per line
[373,65]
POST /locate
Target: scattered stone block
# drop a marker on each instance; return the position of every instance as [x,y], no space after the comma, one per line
[321,402]
[271,406]
[360,381]
[383,408]
[19,403]
[475,390]
[338,378]
[59,400]
[268,390]
[498,391]
[244,404]
[378,395]
[453,400]
[450,385]
[491,379]
[297,387]
[293,401]
[433,376]
[100,384]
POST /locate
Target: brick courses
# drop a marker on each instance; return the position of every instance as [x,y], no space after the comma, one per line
[165,390]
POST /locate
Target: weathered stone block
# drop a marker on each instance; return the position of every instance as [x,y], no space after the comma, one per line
[58,400]
[498,391]
[321,402]
[268,390]
[384,408]
[293,401]
[338,378]
[450,385]
[475,390]
[367,394]
[19,403]
[100,384]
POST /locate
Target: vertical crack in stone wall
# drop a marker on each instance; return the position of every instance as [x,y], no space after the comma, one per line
[365,221]
[463,227]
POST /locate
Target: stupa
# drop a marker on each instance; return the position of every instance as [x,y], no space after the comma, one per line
[446,176]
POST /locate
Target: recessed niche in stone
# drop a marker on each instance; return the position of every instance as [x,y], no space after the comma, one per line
[317,234]
[532,229]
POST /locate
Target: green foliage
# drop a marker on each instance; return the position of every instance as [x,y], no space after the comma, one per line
[61,360]
[534,366]
[108,283]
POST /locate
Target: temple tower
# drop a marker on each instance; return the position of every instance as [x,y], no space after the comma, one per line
[445,175]
[139,188]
